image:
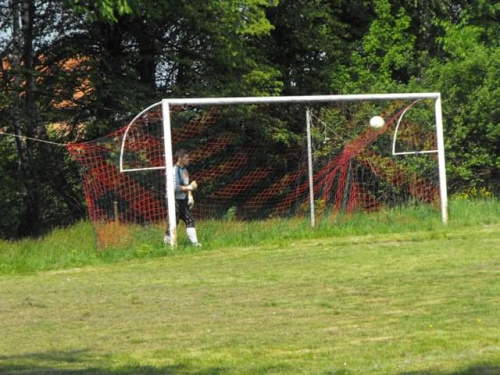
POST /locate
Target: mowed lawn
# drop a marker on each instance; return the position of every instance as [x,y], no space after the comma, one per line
[409,303]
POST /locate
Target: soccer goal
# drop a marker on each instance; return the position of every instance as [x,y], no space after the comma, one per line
[261,157]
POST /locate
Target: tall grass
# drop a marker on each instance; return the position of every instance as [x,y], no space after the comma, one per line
[76,246]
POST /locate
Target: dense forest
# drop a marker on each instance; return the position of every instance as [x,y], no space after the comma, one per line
[75,70]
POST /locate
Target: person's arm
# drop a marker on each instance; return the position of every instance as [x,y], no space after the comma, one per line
[190,199]
[189,188]
[178,187]
[192,186]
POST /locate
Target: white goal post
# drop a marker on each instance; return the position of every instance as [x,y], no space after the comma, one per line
[166,105]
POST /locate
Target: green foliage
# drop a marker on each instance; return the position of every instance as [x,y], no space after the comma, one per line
[262,81]
[248,16]
[230,214]
[309,40]
[108,10]
[10,189]
[468,79]
[386,55]
[388,45]
[473,193]
[397,54]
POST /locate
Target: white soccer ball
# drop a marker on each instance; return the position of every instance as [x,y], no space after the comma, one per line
[377,122]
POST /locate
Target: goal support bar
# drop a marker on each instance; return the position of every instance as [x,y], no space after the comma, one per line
[169,172]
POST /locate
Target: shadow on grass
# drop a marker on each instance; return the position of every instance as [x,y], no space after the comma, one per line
[472,370]
[73,363]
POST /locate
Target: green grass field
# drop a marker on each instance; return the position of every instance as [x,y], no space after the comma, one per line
[394,293]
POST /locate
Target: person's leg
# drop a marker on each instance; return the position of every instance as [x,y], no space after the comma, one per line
[187,217]
[191,232]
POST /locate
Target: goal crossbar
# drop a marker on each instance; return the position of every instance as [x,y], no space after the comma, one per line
[301,99]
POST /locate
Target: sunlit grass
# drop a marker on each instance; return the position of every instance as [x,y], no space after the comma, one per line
[413,301]
[76,246]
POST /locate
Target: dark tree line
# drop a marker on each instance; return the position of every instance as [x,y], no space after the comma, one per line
[74,70]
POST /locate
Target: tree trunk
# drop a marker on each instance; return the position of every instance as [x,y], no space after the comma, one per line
[146,65]
[24,112]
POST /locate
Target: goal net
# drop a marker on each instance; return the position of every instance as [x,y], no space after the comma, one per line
[256,159]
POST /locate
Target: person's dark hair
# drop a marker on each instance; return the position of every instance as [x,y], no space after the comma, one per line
[179,154]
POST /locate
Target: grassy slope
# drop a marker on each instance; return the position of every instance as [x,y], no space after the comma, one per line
[75,246]
[419,302]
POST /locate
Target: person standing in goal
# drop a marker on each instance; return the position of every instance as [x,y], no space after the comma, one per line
[184,200]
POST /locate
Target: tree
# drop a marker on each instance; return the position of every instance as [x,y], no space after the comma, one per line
[311,40]
[25,58]
[468,76]
[86,73]
[22,111]
[171,48]
[107,10]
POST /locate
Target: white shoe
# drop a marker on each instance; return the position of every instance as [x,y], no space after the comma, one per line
[197,244]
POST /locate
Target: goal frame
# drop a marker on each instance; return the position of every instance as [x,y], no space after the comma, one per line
[169,162]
